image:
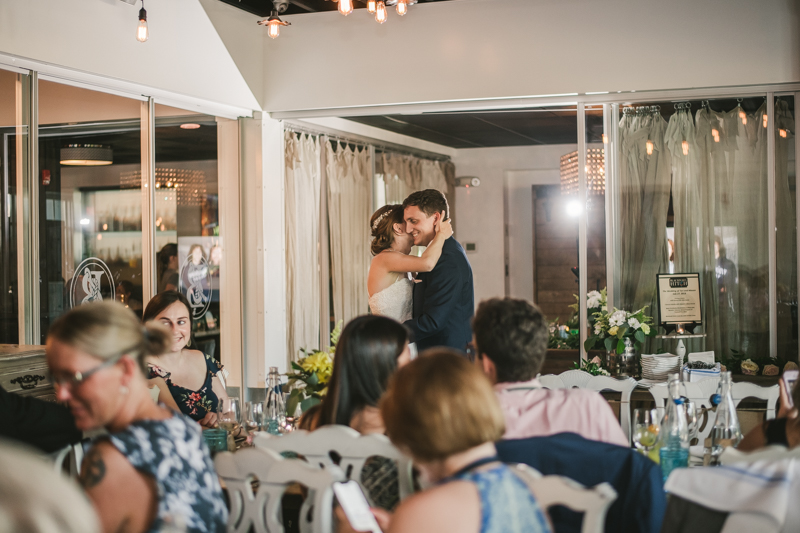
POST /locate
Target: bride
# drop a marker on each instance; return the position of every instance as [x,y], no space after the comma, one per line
[389,285]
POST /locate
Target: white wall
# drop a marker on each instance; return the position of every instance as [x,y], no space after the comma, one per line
[443,51]
[479,212]
[184,54]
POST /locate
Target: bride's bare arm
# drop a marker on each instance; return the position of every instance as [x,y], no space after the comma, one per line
[399,262]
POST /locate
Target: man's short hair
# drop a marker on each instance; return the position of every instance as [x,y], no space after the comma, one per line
[513,334]
[429,201]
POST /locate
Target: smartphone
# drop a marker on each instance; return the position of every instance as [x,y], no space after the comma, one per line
[789,379]
[356,506]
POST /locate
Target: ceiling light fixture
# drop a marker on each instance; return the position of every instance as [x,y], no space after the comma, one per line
[86,155]
[273,24]
[190,126]
[402,7]
[345,7]
[372,6]
[380,12]
[141,32]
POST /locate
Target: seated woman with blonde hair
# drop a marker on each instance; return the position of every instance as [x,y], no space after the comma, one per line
[441,410]
[153,469]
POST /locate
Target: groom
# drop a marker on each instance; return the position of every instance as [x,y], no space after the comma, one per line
[443,298]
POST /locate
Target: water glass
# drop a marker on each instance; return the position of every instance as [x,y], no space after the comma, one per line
[691,419]
[253,416]
[229,414]
[645,429]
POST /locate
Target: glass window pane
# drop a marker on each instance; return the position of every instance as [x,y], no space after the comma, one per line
[90,200]
[187,217]
[14,128]
[786,218]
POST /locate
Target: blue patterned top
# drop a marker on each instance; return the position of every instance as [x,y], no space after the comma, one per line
[507,505]
[173,452]
[194,404]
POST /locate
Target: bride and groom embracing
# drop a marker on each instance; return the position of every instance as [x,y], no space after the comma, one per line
[438,303]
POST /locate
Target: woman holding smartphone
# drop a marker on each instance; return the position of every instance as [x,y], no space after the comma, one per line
[783,430]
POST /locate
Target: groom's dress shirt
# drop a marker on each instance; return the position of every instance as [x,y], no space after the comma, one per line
[533,411]
[444,301]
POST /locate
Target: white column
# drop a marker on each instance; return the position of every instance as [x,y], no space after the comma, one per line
[582,226]
[772,225]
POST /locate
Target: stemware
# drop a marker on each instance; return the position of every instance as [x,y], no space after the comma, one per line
[691,419]
[253,416]
[229,415]
[645,429]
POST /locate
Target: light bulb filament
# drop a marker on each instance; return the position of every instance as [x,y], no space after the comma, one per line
[402,7]
[372,6]
[685,147]
[649,146]
[345,7]
[380,13]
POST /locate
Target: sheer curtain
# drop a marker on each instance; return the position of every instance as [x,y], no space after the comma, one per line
[404,174]
[302,200]
[349,191]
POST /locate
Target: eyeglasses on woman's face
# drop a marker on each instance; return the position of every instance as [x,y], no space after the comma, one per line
[75,379]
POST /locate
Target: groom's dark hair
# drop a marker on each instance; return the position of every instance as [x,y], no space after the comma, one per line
[429,201]
[513,334]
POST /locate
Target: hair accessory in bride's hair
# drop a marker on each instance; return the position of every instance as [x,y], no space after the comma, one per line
[378,220]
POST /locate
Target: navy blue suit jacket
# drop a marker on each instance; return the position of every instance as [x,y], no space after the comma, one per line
[640,503]
[444,301]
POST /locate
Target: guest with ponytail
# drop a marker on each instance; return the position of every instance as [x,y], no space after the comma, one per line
[153,466]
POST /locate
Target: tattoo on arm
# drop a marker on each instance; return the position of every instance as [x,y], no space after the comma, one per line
[94,469]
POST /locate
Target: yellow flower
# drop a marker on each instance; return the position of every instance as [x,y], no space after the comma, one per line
[646,329]
[317,362]
[613,331]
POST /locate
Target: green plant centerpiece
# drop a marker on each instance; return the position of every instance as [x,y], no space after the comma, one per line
[611,328]
[312,373]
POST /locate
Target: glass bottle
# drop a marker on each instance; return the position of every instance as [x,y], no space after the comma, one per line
[274,408]
[726,431]
[674,436]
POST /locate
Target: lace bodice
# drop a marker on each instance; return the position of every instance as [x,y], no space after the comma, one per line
[394,301]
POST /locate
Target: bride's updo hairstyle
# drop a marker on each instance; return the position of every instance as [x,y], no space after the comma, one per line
[382,225]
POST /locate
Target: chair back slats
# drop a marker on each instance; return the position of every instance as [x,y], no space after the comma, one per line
[351,448]
[549,491]
[261,510]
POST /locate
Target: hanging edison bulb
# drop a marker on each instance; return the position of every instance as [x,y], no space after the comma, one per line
[345,7]
[685,147]
[766,119]
[372,6]
[715,134]
[380,13]
[273,30]
[743,116]
[782,132]
[402,7]
[142,32]
[649,145]
[273,24]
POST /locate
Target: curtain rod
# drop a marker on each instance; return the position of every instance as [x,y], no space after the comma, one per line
[364,141]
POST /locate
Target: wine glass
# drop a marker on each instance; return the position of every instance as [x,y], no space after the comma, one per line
[229,414]
[691,419]
[253,416]
[645,429]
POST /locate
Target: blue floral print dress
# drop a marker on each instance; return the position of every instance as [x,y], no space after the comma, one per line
[194,404]
[174,454]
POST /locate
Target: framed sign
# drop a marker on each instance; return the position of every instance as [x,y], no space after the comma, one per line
[679,299]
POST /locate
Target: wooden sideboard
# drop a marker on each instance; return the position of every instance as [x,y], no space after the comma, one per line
[23,370]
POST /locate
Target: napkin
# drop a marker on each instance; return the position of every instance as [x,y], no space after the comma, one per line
[703,357]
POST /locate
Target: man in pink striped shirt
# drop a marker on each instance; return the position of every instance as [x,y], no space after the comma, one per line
[510,338]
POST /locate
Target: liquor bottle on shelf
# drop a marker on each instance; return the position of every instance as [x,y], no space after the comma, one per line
[674,435]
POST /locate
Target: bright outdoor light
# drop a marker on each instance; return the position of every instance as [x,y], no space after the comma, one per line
[574,208]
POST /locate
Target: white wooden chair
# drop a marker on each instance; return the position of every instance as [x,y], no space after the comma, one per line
[583,380]
[700,393]
[559,490]
[261,509]
[68,460]
[352,448]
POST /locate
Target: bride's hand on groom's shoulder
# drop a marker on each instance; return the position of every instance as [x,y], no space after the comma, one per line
[444,226]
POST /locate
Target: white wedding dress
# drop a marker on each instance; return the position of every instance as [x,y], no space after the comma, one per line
[395,300]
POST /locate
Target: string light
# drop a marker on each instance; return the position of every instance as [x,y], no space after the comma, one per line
[766,119]
[380,13]
[783,133]
[685,147]
[142,32]
[345,7]
[715,134]
[372,6]
[649,145]
[402,7]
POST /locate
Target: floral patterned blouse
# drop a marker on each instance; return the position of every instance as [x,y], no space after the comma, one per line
[194,404]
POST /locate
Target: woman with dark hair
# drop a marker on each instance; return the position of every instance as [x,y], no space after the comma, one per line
[168,268]
[188,378]
[388,283]
[370,349]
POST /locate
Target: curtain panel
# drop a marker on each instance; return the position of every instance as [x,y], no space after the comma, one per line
[349,173]
[302,200]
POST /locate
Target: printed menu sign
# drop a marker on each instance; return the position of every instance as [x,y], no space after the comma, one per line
[679,298]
